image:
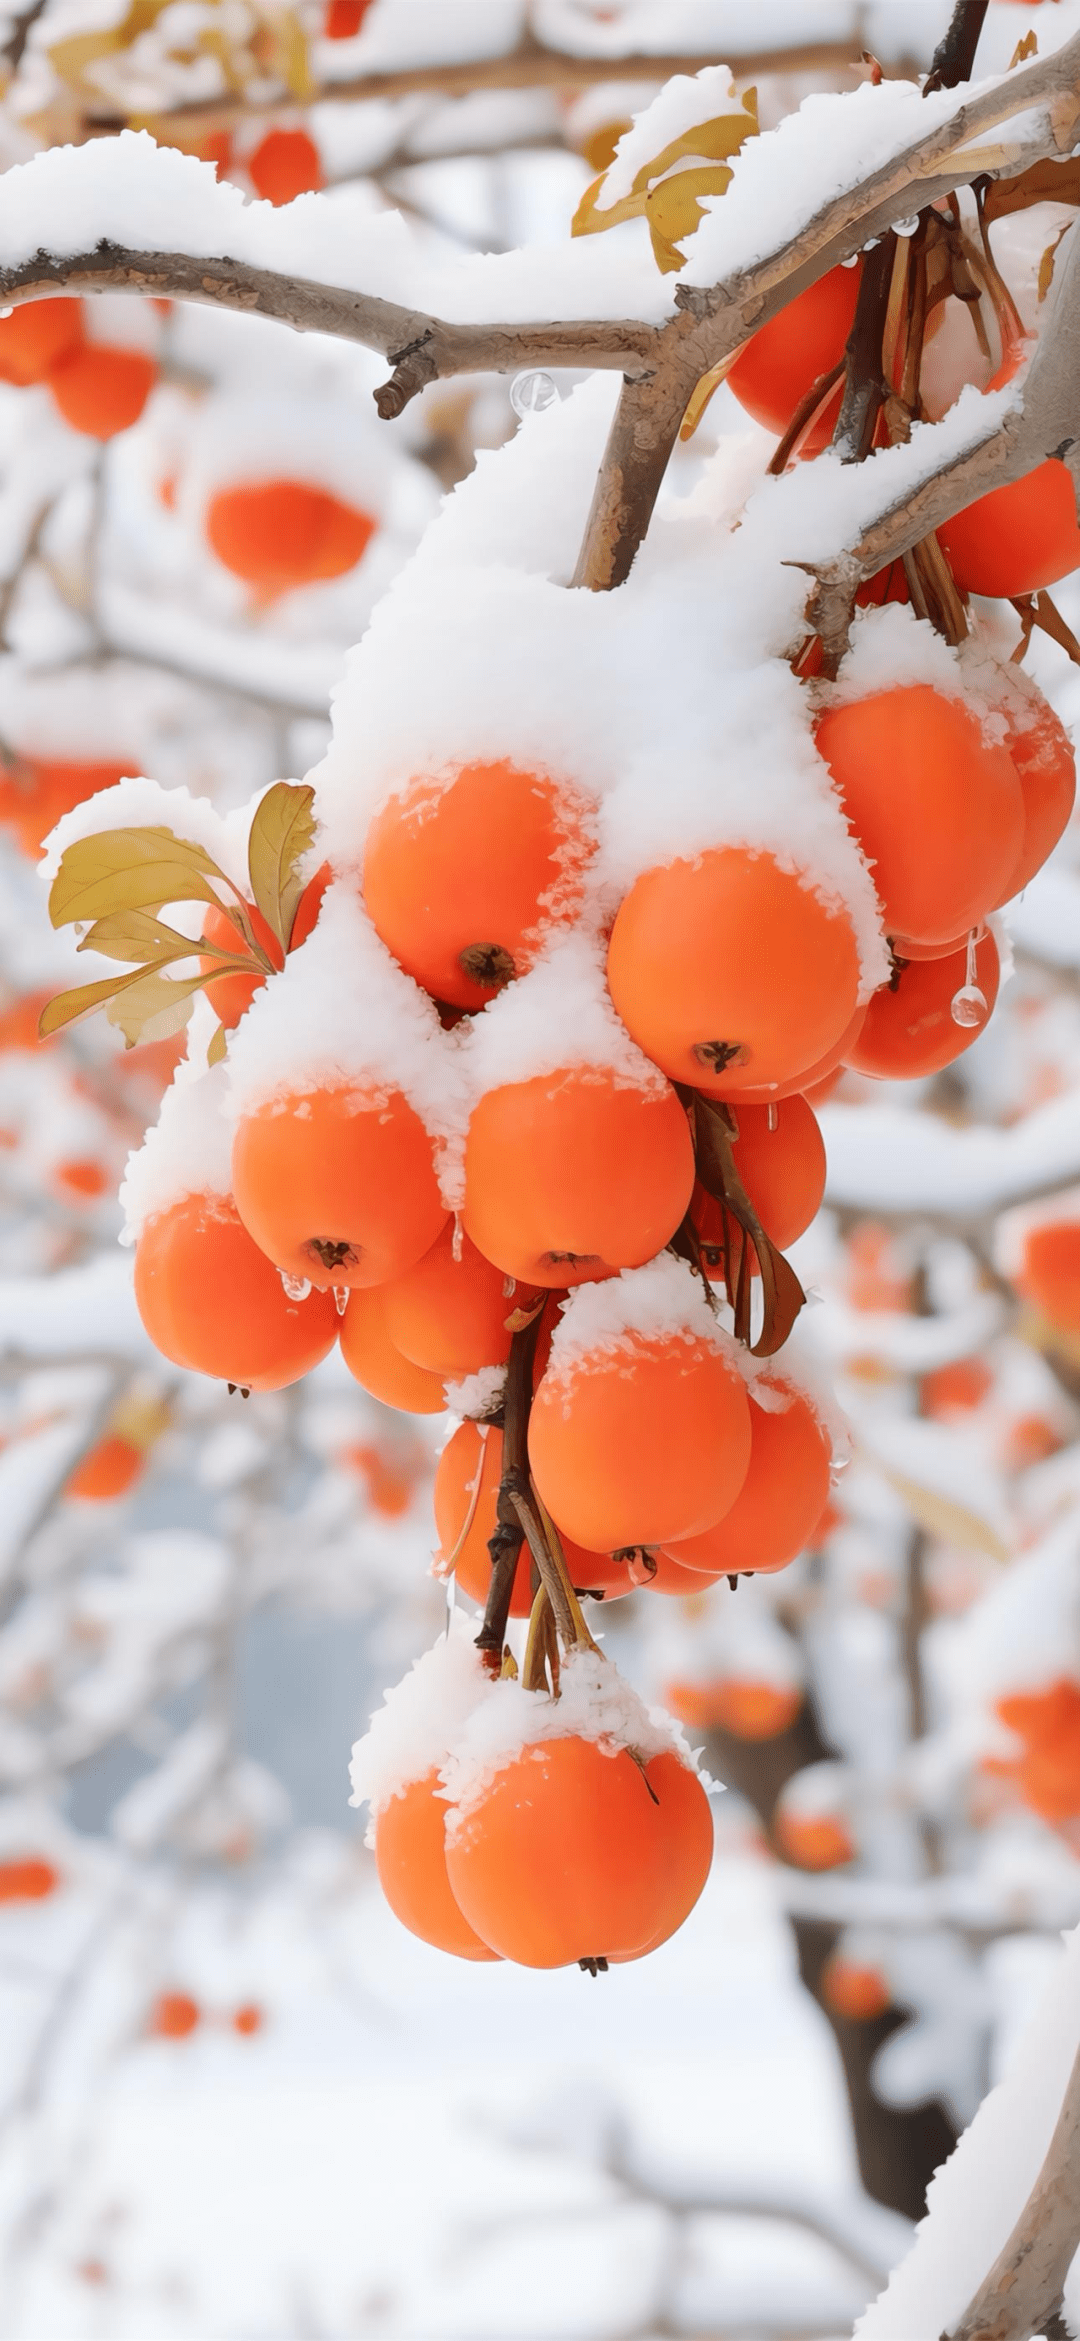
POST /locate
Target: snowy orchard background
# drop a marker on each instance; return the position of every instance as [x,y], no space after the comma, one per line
[237,2099]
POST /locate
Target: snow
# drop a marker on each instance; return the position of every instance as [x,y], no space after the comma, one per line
[882,1158]
[188,1150]
[558,1016]
[479,1395]
[595,1703]
[663,1301]
[683,102]
[420,1719]
[977,2197]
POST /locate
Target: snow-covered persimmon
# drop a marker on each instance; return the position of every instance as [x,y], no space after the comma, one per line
[814,1841]
[27,1877]
[730,973]
[576,1174]
[35,337]
[936,806]
[449,1312]
[748,1710]
[212,1301]
[108,1469]
[279,534]
[854,1989]
[641,1442]
[783,1494]
[378,1364]
[576,1851]
[1049,1271]
[101,390]
[338,1185]
[910,1029]
[410,1856]
[1042,752]
[285,164]
[1017,538]
[787,356]
[465,874]
[1047,1722]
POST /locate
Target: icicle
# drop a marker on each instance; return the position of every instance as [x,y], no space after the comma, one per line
[509,1287]
[458,1245]
[341,1298]
[969,1004]
[772,1115]
[296,1288]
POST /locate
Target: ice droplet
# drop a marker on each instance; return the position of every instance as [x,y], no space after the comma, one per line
[296,1288]
[772,1118]
[531,393]
[969,1006]
[509,1287]
[906,227]
[341,1298]
[457,1244]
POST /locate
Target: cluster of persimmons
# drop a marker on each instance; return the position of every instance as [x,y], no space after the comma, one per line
[649,1458]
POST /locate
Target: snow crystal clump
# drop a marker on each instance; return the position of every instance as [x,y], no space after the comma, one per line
[662,1300]
[420,1719]
[891,647]
[143,804]
[558,1016]
[477,1396]
[187,1152]
[594,1703]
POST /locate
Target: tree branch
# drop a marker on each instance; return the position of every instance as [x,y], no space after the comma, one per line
[955,54]
[1024,2286]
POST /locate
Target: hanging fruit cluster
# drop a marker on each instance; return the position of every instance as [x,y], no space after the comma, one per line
[515,1105]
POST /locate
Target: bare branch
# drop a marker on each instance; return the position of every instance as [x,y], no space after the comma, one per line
[955,54]
[1024,2286]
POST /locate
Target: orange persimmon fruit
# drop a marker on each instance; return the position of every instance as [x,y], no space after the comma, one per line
[910,1030]
[1017,538]
[448,1313]
[278,534]
[410,1857]
[101,390]
[338,1185]
[731,974]
[377,1365]
[1049,1273]
[212,1301]
[1042,752]
[641,1443]
[785,357]
[782,1497]
[854,1989]
[27,1878]
[33,339]
[576,1174]
[285,164]
[464,875]
[108,1469]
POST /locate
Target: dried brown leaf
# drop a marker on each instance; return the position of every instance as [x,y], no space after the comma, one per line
[130,869]
[1044,182]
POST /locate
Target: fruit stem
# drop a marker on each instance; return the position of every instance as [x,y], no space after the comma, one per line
[566,1609]
[505,1545]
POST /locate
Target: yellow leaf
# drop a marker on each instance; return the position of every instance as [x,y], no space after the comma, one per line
[135,935]
[1046,264]
[291,56]
[130,869]
[666,189]
[67,1007]
[70,58]
[281,832]
[704,391]
[1045,182]
[673,209]
[1028,47]
[215,1054]
[946,1519]
[152,1006]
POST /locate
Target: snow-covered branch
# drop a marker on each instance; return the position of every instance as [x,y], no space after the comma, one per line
[1024,2285]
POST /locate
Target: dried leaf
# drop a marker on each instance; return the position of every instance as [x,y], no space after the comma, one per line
[705,390]
[667,189]
[216,1052]
[67,1007]
[1046,264]
[714,1131]
[281,832]
[70,58]
[137,936]
[1044,182]
[130,869]
[943,1517]
[1028,47]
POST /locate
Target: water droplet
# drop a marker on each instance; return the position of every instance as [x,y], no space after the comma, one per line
[906,227]
[296,1288]
[531,393]
[969,1006]
[872,245]
[509,1287]
[852,261]
[341,1298]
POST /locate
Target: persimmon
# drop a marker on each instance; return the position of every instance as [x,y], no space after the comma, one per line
[173,2016]
[675,1579]
[81,1176]
[248,2019]
[465,874]
[802,342]
[100,390]
[1042,752]
[748,1710]
[230,996]
[1016,538]
[410,1856]
[212,1301]
[910,1029]
[813,1841]
[782,1497]
[576,1174]
[955,1389]
[278,534]
[780,1157]
[38,790]
[641,1443]
[34,338]
[448,1313]
[466,1488]
[27,1878]
[285,164]
[729,973]
[344,18]
[1048,1772]
[812,1081]
[567,1856]
[109,1469]
[390,1474]
[1032,1438]
[1049,1274]
[854,1989]
[875,1280]
[377,1365]
[338,1185]
[937,809]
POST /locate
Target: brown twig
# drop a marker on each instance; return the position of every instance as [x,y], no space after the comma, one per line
[1024,2285]
[955,53]
[505,1545]
[866,389]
